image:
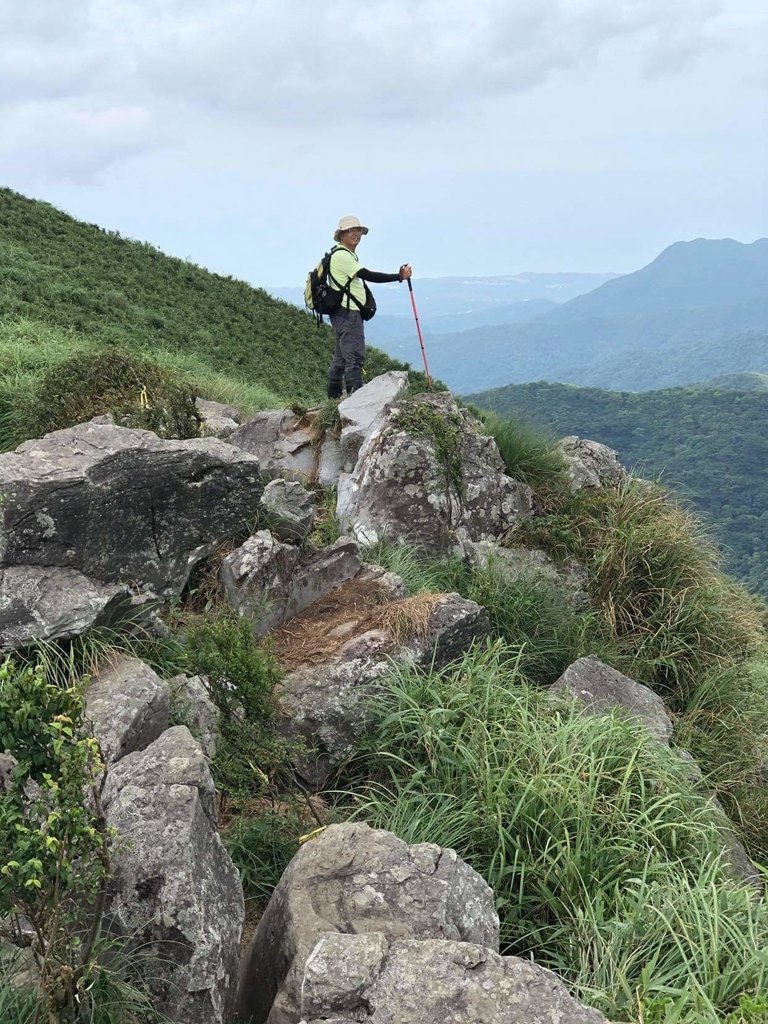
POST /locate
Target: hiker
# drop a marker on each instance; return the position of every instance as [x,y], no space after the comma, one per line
[347,274]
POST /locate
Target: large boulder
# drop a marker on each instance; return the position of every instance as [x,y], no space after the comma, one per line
[602,690]
[174,889]
[590,464]
[349,978]
[364,409]
[284,443]
[122,505]
[328,705]
[428,476]
[268,582]
[128,705]
[290,509]
[39,602]
[358,880]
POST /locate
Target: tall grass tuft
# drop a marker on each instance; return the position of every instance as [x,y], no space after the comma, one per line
[577,822]
[528,455]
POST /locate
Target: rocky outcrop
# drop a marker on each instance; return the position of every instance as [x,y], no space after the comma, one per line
[282,441]
[514,563]
[127,705]
[429,477]
[269,582]
[174,889]
[354,978]
[590,464]
[218,420]
[47,603]
[357,880]
[364,410]
[121,505]
[194,708]
[328,705]
[289,510]
[602,690]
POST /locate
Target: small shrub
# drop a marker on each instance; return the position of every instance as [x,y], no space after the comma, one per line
[326,529]
[261,848]
[135,391]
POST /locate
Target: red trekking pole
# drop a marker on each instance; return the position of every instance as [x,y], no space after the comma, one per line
[418,331]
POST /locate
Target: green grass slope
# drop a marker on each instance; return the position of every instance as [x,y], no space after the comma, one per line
[98,287]
[710,446]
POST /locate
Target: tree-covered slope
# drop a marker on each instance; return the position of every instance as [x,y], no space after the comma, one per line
[709,445]
[75,276]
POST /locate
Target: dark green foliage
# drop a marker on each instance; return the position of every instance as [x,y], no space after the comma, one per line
[710,446]
[261,848]
[137,392]
[130,296]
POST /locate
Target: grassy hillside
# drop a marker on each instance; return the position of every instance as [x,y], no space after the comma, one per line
[78,284]
[708,445]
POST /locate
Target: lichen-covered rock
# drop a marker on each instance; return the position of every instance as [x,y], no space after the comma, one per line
[127,704]
[174,889]
[602,690]
[196,710]
[590,464]
[328,705]
[39,602]
[364,409]
[358,880]
[353,978]
[513,563]
[268,582]
[427,476]
[290,509]
[122,505]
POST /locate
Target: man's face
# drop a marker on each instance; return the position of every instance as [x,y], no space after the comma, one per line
[351,237]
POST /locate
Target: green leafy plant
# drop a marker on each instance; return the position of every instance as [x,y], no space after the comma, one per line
[443,431]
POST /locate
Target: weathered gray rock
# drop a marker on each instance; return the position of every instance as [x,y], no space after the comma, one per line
[403,489]
[269,582]
[591,464]
[364,409]
[175,890]
[122,505]
[513,563]
[355,879]
[283,443]
[47,603]
[127,704]
[354,978]
[602,690]
[197,711]
[329,462]
[218,420]
[290,509]
[328,705]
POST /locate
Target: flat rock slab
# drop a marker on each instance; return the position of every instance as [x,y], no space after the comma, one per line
[174,888]
[128,705]
[355,879]
[353,978]
[48,603]
[602,690]
[123,505]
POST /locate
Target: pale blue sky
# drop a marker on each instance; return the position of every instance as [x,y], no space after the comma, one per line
[486,138]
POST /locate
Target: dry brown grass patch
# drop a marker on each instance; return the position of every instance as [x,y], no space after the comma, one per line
[409,619]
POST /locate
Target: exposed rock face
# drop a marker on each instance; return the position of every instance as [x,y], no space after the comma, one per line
[269,582]
[175,889]
[364,409]
[434,492]
[353,978]
[127,703]
[290,508]
[282,442]
[591,464]
[328,705]
[354,879]
[123,505]
[515,562]
[602,690]
[218,420]
[45,603]
[198,712]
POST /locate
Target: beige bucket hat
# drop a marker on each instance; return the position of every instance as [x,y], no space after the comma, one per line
[345,224]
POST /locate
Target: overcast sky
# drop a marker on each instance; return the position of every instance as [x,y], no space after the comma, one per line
[490,137]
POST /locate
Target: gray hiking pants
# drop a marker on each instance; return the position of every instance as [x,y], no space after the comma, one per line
[348,353]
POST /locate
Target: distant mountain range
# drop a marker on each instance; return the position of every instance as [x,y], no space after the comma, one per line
[708,443]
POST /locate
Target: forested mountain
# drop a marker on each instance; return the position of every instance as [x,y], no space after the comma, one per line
[77,277]
[698,310]
[710,445]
